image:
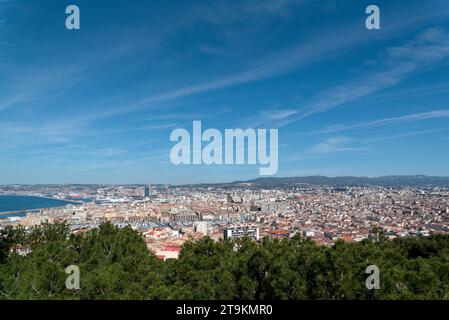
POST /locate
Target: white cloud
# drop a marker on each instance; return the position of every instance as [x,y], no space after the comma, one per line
[414,117]
[428,48]
[333,145]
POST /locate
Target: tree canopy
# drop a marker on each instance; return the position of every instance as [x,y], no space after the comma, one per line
[114,263]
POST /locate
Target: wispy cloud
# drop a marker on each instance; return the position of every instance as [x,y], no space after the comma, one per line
[4,42]
[158,126]
[222,12]
[18,134]
[414,117]
[84,150]
[273,115]
[321,45]
[318,47]
[417,91]
[31,84]
[430,47]
[270,117]
[35,84]
[52,78]
[380,139]
[342,144]
[333,145]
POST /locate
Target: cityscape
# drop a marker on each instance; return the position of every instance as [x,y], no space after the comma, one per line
[168,216]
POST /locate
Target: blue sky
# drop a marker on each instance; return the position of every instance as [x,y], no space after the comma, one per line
[97,105]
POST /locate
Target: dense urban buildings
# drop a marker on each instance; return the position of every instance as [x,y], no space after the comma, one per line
[168,216]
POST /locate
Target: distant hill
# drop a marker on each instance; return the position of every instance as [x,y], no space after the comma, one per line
[396,181]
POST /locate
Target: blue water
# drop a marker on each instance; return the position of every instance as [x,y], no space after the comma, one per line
[19,203]
[6,216]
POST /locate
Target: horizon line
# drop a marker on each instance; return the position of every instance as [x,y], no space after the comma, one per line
[232,182]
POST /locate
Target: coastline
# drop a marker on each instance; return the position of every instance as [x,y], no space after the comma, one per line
[29,203]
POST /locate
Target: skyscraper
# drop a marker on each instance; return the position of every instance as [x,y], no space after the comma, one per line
[147,192]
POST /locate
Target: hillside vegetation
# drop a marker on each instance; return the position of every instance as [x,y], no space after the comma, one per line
[115,264]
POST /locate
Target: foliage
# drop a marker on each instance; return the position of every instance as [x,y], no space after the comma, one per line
[115,264]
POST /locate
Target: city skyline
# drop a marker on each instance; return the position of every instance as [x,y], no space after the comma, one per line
[97,105]
[346,181]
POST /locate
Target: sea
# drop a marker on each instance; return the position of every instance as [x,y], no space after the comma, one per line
[22,204]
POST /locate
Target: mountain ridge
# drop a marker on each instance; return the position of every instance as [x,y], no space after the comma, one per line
[389,180]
